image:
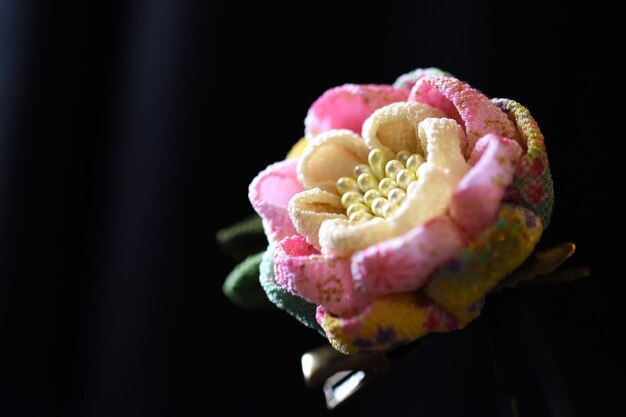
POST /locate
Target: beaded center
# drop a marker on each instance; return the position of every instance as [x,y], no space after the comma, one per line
[378,189]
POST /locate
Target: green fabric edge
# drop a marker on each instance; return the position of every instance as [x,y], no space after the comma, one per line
[242,285]
[411,76]
[302,310]
[243,239]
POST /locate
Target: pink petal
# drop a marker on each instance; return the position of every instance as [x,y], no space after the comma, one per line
[300,269]
[466,105]
[476,201]
[404,263]
[348,106]
[270,193]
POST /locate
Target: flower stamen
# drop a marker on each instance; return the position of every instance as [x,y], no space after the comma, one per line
[378,188]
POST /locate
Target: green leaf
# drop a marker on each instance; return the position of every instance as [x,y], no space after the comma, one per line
[243,239]
[302,310]
[242,285]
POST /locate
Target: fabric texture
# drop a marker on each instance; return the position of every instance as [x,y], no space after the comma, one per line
[401,209]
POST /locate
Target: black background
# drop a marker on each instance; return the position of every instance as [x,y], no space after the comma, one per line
[112,119]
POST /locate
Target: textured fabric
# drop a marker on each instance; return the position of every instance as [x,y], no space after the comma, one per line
[302,310]
[475,112]
[348,106]
[270,193]
[477,196]
[453,295]
[475,202]
[532,186]
[242,284]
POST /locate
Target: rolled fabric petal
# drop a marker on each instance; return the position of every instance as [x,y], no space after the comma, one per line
[532,186]
[467,106]
[461,284]
[390,321]
[303,271]
[475,203]
[310,208]
[270,193]
[405,263]
[302,310]
[393,128]
[330,156]
[436,179]
[389,237]
[348,106]
[444,142]
[340,237]
[428,199]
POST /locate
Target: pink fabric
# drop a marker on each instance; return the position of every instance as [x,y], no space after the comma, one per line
[270,193]
[300,269]
[476,201]
[404,263]
[466,105]
[348,106]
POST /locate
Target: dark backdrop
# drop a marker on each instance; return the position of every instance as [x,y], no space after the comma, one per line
[112,119]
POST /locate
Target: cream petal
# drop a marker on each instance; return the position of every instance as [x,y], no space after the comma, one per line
[330,156]
[309,209]
[340,237]
[442,139]
[429,198]
[393,128]
[437,178]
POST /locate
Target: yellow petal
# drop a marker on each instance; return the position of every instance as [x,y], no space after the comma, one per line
[340,237]
[297,148]
[393,128]
[441,139]
[430,197]
[309,209]
[437,178]
[330,156]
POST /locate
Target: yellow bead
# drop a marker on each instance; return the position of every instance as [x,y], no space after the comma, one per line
[405,177]
[377,206]
[396,195]
[345,184]
[387,184]
[367,181]
[350,198]
[403,156]
[388,209]
[414,162]
[377,161]
[370,196]
[360,216]
[361,169]
[393,167]
[411,187]
[357,207]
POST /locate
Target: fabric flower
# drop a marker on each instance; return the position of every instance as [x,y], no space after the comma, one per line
[402,207]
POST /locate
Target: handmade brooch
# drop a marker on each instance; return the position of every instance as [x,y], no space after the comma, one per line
[402,207]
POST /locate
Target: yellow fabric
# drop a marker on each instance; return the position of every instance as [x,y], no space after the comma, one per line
[296,150]
[453,296]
